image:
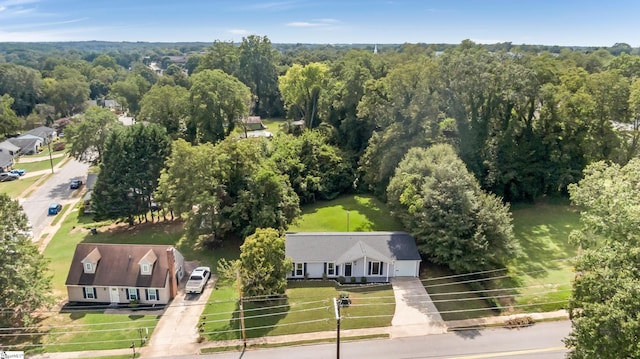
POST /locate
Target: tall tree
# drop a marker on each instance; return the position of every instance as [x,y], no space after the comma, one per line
[454,222]
[167,106]
[222,56]
[129,171]
[88,135]
[23,84]
[302,88]
[9,122]
[262,266]
[67,90]
[25,284]
[604,296]
[258,71]
[218,102]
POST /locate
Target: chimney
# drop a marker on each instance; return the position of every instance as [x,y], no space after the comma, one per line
[173,282]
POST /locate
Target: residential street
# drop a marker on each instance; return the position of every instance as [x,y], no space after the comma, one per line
[543,340]
[54,189]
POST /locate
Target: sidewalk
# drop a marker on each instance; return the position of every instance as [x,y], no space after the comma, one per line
[298,338]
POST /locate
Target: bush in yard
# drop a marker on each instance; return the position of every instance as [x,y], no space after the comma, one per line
[519,322]
[341,279]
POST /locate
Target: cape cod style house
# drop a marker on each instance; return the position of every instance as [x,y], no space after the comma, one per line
[377,256]
[124,273]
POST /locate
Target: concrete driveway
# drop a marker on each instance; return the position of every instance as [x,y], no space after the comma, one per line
[176,333]
[415,312]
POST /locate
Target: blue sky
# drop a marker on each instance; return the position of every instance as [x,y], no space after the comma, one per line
[559,22]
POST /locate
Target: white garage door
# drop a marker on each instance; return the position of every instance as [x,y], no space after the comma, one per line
[405,269]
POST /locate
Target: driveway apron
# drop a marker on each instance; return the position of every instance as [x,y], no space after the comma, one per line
[415,312]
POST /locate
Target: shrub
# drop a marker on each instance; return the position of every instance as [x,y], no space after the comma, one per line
[363,280]
[341,279]
[352,279]
[324,276]
[519,322]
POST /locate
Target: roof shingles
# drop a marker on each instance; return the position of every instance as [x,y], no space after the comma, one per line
[335,246]
[119,266]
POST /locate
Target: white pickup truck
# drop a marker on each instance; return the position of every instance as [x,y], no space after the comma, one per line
[197,280]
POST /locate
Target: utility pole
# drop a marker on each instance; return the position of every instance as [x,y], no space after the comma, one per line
[336,307]
[50,156]
[244,335]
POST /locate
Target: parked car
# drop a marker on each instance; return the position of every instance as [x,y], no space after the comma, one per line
[55,208]
[197,280]
[75,184]
[19,172]
[8,176]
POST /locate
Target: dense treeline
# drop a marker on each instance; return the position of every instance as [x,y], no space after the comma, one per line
[523,121]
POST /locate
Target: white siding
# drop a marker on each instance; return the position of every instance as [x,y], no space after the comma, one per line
[405,269]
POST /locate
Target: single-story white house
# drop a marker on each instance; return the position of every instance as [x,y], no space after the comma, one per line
[47,134]
[9,148]
[6,161]
[28,144]
[124,273]
[377,256]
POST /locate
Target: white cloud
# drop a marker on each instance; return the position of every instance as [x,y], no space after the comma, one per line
[238,31]
[315,23]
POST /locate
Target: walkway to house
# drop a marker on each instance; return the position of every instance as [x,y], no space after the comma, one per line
[415,312]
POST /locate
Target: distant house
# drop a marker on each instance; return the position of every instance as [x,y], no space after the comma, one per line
[111,105]
[253,123]
[377,256]
[28,145]
[6,161]
[124,273]
[48,134]
[9,148]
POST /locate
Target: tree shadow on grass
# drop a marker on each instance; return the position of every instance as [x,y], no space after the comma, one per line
[262,317]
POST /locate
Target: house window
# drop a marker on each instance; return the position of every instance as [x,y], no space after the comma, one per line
[299,269]
[88,267]
[331,269]
[132,294]
[89,292]
[375,268]
[145,269]
[152,294]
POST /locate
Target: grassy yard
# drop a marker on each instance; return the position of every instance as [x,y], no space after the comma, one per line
[355,213]
[97,331]
[274,125]
[544,272]
[45,164]
[308,307]
[15,188]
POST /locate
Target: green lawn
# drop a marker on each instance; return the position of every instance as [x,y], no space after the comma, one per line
[15,188]
[45,150]
[45,164]
[545,270]
[98,331]
[274,125]
[355,213]
[539,280]
[308,307]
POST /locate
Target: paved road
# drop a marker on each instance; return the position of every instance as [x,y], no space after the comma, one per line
[55,189]
[543,340]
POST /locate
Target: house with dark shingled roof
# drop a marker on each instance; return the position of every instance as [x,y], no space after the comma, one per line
[124,273]
[377,256]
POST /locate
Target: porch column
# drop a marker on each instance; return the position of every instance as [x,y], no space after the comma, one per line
[365,267]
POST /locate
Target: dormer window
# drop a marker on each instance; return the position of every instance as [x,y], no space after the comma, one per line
[90,262]
[147,261]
